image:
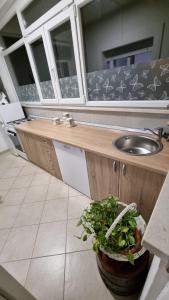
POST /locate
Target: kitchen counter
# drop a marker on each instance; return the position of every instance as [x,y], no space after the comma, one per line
[97,140]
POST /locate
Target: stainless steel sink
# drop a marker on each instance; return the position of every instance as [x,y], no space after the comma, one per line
[138,145]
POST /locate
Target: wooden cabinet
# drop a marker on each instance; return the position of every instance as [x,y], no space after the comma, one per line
[140,186]
[129,183]
[106,176]
[103,176]
[41,152]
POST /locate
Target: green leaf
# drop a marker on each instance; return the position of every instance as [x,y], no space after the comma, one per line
[121,243]
[78,237]
[132,223]
[96,246]
[124,229]
[130,257]
[79,222]
[131,240]
[84,238]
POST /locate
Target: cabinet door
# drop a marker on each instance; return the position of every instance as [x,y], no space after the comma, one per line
[103,176]
[140,186]
[41,152]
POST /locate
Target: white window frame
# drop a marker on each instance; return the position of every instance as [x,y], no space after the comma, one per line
[39,33]
[43,19]
[68,14]
[137,103]
[8,51]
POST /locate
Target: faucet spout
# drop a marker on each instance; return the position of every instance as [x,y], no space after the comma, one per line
[158,132]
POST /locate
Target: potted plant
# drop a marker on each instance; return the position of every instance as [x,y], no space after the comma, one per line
[117,230]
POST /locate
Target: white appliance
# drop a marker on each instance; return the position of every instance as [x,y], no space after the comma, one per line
[12,114]
[72,162]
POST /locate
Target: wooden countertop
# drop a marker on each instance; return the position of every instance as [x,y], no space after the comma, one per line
[97,140]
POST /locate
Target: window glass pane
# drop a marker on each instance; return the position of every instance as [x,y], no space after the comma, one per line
[21,73]
[40,60]
[126,46]
[36,9]
[3,93]
[10,33]
[65,60]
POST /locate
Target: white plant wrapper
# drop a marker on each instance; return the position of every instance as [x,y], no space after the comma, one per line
[141,225]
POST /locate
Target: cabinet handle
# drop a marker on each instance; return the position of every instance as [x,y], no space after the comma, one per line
[67,147]
[114,166]
[124,169]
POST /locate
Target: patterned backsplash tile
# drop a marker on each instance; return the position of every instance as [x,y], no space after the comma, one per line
[137,82]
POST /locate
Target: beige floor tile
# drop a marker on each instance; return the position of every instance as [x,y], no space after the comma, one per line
[19,162]
[30,169]
[41,179]
[18,269]
[54,180]
[19,244]
[55,210]
[15,196]
[5,165]
[45,278]
[77,205]
[3,193]
[51,239]
[36,193]
[57,190]
[22,181]
[82,279]
[8,215]
[73,243]
[3,237]
[73,192]
[5,184]
[11,172]
[29,214]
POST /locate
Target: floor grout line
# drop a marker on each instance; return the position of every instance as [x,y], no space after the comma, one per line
[43,256]
[36,237]
[64,278]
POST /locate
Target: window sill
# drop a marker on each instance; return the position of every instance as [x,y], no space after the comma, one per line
[102,109]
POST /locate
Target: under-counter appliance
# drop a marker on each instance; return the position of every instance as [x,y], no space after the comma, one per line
[10,116]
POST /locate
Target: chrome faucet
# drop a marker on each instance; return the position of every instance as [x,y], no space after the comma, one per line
[157,131]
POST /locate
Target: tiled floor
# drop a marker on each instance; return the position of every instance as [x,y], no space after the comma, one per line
[38,217]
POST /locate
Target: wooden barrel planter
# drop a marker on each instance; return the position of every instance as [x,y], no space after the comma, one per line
[121,277]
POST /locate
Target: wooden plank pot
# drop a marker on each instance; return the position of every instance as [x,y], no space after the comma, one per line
[121,277]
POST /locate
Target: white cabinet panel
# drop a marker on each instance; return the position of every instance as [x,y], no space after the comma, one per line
[73,167]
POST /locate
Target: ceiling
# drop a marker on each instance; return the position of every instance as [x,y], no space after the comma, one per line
[4,6]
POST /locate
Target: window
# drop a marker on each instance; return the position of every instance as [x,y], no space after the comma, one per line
[62,42]
[21,73]
[134,53]
[10,33]
[123,41]
[36,9]
[40,61]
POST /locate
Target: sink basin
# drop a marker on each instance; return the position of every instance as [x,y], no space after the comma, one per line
[138,145]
